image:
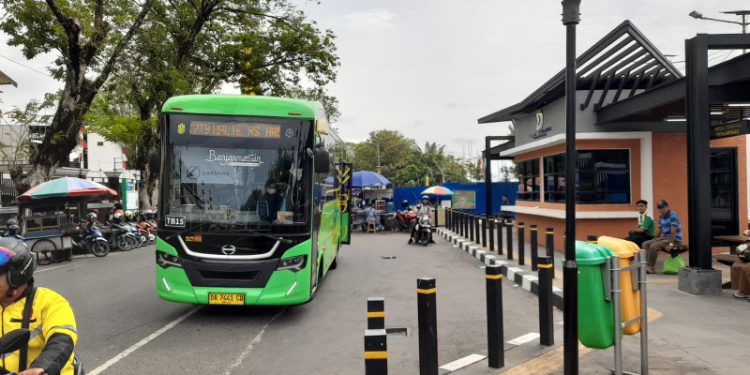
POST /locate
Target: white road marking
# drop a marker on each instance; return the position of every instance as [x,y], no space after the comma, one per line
[51,268]
[524,339]
[251,345]
[463,362]
[143,342]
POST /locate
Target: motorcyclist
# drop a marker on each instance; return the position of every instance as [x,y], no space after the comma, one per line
[13,229]
[423,208]
[405,205]
[37,308]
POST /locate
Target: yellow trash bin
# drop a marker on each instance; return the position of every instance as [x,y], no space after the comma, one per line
[630,297]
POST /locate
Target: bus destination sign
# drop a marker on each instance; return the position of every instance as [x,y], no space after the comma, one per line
[234,129]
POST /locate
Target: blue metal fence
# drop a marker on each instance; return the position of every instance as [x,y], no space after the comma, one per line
[509,189]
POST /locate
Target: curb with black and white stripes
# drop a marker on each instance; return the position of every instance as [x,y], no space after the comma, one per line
[526,279]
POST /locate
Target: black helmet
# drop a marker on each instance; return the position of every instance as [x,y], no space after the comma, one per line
[405,203]
[16,261]
[12,225]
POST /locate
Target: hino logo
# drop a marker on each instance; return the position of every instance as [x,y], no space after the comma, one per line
[228,249]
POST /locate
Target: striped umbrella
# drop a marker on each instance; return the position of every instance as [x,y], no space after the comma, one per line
[437,190]
[66,187]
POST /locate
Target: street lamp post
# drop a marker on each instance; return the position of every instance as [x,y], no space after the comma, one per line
[742,13]
[570,19]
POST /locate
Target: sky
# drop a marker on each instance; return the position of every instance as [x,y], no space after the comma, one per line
[431,68]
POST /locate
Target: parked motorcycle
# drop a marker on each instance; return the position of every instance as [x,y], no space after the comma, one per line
[405,219]
[90,239]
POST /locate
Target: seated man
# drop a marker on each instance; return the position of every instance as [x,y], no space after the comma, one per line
[740,274]
[645,229]
[670,234]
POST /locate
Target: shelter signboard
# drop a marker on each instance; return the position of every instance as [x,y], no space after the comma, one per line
[730,129]
[464,199]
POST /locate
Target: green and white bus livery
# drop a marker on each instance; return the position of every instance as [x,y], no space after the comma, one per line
[253,200]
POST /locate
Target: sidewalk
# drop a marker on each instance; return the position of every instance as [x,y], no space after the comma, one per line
[688,334]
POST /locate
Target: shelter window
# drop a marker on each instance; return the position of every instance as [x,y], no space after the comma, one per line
[603,176]
[528,186]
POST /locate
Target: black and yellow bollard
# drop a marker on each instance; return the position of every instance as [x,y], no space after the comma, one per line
[534,246]
[550,242]
[495,341]
[376,313]
[592,238]
[546,326]
[484,230]
[465,233]
[376,352]
[521,244]
[509,239]
[476,227]
[427,321]
[491,232]
[500,226]
[471,227]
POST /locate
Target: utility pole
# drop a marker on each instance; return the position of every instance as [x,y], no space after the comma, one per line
[742,13]
[377,146]
[570,19]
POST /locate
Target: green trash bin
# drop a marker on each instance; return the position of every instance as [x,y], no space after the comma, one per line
[595,312]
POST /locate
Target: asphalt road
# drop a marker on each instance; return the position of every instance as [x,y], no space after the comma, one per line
[125,328]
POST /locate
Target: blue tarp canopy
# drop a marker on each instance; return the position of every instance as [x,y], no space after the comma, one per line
[363,179]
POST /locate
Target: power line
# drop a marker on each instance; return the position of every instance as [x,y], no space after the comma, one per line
[25,66]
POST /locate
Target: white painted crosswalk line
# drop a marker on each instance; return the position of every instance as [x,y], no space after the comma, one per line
[463,362]
[524,339]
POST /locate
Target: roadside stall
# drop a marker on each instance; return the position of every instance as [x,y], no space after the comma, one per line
[370,189]
[49,215]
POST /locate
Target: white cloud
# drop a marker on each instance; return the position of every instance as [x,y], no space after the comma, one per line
[373,19]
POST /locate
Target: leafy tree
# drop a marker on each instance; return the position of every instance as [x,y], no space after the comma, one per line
[267,46]
[193,46]
[88,37]
[16,154]
[403,162]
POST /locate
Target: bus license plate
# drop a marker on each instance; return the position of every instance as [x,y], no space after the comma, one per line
[226,299]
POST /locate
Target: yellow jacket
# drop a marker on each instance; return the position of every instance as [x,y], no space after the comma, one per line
[51,314]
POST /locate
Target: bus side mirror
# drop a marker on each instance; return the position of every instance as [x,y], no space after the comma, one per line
[322,160]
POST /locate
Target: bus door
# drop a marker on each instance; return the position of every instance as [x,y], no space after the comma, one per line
[344,182]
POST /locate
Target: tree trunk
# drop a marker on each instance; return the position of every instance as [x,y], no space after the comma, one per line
[25,181]
[149,189]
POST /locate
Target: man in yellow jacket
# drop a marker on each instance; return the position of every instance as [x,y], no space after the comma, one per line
[47,314]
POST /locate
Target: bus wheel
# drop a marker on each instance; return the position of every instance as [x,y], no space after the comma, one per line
[335,262]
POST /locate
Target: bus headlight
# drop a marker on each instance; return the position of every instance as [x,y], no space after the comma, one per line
[165,260]
[292,264]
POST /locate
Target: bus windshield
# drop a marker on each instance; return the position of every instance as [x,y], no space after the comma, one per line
[237,171]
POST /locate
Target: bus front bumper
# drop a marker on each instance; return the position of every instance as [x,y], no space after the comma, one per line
[283,288]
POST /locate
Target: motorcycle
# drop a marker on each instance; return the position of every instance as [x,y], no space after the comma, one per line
[16,339]
[405,219]
[91,240]
[121,237]
[423,231]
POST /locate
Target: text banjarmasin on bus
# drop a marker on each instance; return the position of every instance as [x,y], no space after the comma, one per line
[253,200]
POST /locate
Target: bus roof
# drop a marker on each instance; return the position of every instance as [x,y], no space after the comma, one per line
[246,105]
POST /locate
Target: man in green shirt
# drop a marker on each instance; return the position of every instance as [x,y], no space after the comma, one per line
[646,228]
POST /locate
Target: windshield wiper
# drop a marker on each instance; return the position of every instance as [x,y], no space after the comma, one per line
[271,236]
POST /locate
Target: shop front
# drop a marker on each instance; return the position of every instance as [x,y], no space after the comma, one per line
[631,142]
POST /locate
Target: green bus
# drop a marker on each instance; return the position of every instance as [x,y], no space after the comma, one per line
[253,200]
